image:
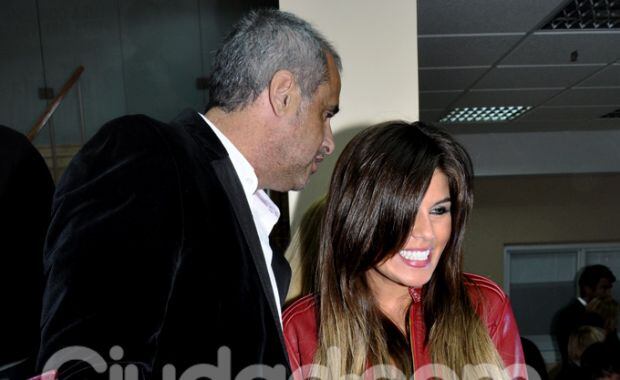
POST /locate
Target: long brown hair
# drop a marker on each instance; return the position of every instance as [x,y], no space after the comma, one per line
[302,252]
[375,191]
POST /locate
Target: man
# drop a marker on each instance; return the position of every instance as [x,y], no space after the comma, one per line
[594,281]
[26,189]
[158,253]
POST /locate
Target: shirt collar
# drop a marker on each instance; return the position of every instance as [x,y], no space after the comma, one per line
[242,166]
[582,301]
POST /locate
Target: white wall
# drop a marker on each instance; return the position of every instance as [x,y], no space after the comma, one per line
[377,42]
[543,152]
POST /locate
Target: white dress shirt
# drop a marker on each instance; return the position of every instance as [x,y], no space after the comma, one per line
[582,301]
[264,212]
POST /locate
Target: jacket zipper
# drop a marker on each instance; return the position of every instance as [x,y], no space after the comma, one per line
[411,317]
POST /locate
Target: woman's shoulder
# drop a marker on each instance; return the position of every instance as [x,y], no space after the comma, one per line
[489,300]
[302,311]
[485,285]
[299,324]
[485,290]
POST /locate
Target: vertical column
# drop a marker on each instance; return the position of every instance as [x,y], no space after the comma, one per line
[377,41]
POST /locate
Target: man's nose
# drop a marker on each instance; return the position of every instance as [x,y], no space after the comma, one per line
[328,141]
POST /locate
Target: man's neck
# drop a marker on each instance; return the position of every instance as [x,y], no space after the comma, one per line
[249,132]
[235,126]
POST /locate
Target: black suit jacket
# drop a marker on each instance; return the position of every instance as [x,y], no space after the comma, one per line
[152,247]
[565,321]
[26,189]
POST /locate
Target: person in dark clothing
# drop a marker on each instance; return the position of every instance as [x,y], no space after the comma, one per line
[578,342]
[601,361]
[158,253]
[534,359]
[595,280]
[26,189]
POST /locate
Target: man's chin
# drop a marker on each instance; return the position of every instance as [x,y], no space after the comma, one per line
[298,182]
[298,185]
[301,186]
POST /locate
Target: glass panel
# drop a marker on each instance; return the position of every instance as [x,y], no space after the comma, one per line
[543,281]
[161,56]
[535,304]
[21,70]
[91,39]
[543,266]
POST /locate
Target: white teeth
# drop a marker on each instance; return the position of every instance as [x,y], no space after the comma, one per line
[415,255]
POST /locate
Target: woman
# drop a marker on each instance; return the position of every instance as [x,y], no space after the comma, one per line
[391,286]
[607,310]
[578,341]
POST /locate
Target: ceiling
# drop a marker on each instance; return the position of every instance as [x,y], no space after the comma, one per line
[480,53]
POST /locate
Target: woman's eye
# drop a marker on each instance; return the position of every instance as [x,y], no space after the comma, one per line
[440,210]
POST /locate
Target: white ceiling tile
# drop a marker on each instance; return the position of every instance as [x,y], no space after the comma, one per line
[589,96]
[556,48]
[431,115]
[567,113]
[437,100]
[535,77]
[482,16]
[463,50]
[449,79]
[609,76]
[497,98]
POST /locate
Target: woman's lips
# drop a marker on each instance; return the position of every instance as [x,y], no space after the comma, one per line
[416,258]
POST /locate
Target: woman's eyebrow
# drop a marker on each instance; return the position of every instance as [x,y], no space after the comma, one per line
[445,200]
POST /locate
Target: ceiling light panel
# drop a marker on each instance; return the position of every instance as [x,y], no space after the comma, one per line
[587,14]
[484,114]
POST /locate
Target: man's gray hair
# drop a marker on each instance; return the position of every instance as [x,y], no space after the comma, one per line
[263,42]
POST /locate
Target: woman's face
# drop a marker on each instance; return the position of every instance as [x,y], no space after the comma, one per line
[413,266]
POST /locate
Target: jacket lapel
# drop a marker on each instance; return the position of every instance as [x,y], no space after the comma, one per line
[282,272]
[214,158]
[226,174]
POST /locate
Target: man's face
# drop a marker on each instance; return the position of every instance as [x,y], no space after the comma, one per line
[310,137]
[603,288]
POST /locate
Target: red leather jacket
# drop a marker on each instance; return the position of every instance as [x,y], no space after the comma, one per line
[491,303]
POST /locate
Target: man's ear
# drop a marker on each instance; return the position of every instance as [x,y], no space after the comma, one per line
[283,92]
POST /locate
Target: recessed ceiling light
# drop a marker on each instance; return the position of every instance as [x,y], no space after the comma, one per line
[484,114]
[587,14]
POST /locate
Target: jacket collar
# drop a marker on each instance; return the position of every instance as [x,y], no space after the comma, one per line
[206,139]
[416,294]
[214,158]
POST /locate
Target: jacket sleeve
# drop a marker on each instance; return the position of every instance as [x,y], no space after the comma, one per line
[508,341]
[291,339]
[300,335]
[111,251]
